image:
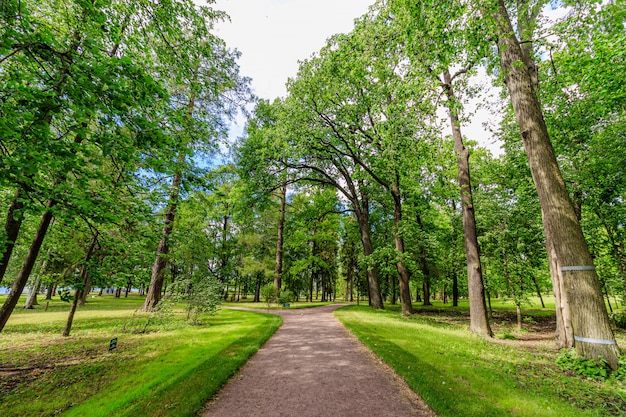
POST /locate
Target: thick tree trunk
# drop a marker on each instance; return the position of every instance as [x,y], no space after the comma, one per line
[592,331]
[160,263]
[11,231]
[78,295]
[479,319]
[564,331]
[27,266]
[375,298]
[403,271]
[278,269]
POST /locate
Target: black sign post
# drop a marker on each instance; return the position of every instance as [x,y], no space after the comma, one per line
[112,344]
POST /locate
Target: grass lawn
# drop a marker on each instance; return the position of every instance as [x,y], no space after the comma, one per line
[170,371]
[460,374]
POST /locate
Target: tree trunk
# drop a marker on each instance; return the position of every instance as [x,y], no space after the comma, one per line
[278,269]
[50,291]
[455,288]
[403,271]
[85,291]
[479,319]
[84,273]
[27,266]
[257,289]
[564,331]
[160,263]
[592,330]
[543,305]
[31,300]
[375,298]
[426,290]
[11,231]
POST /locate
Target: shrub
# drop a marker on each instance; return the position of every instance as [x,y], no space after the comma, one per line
[286,296]
[569,361]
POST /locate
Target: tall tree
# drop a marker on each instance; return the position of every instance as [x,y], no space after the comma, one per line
[592,331]
[207,90]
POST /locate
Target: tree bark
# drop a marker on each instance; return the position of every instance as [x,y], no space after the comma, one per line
[543,305]
[50,291]
[564,331]
[84,273]
[403,271]
[278,269]
[158,268]
[455,288]
[85,291]
[375,298]
[11,231]
[592,331]
[31,300]
[27,265]
[479,319]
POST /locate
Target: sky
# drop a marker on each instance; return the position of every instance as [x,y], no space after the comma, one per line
[273,35]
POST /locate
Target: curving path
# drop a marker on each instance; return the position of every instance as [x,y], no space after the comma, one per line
[313,367]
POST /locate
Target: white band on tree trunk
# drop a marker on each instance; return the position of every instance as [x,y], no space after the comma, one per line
[578,268]
[595,341]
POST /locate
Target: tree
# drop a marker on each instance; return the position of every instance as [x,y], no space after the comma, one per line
[439,37]
[592,330]
[207,90]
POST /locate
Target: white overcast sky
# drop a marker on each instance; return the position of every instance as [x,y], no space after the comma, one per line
[273,35]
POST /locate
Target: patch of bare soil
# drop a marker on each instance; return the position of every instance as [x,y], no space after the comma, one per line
[312,367]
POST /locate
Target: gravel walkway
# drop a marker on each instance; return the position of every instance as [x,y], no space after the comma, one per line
[313,367]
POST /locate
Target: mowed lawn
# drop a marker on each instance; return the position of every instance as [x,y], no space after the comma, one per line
[460,374]
[171,370]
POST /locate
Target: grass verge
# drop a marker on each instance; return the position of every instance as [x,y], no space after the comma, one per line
[459,374]
[171,371]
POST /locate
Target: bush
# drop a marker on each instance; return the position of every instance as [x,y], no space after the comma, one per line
[270,294]
[569,361]
[286,296]
[200,295]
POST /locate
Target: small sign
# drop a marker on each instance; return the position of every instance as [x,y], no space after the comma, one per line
[112,344]
[286,305]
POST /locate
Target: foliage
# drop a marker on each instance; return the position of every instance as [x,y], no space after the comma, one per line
[570,361]
[200,296]
[270,294]
[619,319]
[286,297]
[172,372]
[450,368]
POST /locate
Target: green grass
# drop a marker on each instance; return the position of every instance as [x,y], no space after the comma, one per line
[171,371]
[459,374]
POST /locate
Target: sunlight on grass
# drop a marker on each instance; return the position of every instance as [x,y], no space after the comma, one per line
[459,374]
[171,371]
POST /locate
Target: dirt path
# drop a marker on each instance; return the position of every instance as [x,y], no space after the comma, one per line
[313,367]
